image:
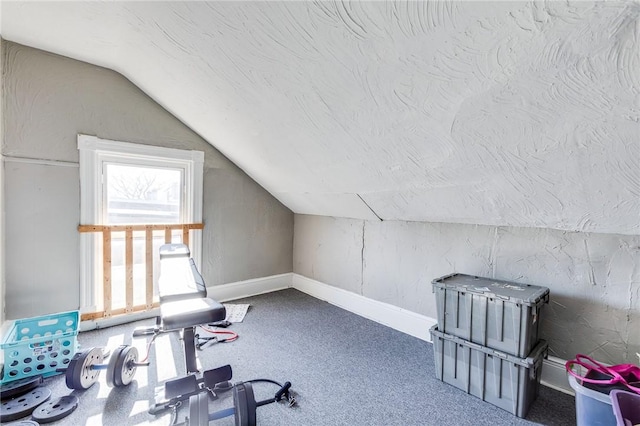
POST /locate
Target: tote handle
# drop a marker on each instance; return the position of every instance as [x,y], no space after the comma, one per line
[591,364]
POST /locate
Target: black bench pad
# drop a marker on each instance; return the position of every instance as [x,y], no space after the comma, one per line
[190,312]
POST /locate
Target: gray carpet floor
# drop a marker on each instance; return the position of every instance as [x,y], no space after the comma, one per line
[345,370]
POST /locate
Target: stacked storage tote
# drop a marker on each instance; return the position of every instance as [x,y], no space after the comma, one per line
[486,341]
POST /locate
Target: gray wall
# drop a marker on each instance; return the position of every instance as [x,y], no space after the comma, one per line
[49,99]
[2,274]
[594,279]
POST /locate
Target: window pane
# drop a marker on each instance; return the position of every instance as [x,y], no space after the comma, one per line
[143,195]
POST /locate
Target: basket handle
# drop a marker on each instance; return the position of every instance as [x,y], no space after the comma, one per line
[47,322]
[569,367]
[591,364]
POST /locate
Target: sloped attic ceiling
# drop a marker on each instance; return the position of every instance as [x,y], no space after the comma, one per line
[499,113]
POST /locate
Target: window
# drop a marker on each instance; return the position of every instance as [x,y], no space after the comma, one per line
[138,194]
[124,183]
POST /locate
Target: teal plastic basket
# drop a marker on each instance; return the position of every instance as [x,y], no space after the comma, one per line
[39,345]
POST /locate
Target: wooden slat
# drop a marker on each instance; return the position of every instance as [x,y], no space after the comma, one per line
[91,228]
[167,235]
[106,271]
[123,228]
[128,256]
[148,262]
[185,236]
[98,315]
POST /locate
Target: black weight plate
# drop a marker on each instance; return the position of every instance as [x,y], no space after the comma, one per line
[111,368]
[244,403]
[19,387]
[74,363]
[56,409]
[124,371]
[79,373]
[23,405]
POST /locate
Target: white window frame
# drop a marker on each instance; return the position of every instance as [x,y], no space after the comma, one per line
[94,154]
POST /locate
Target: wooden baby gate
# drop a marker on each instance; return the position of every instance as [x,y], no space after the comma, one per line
[128,230]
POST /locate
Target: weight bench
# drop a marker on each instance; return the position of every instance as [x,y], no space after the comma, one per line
[183,300]
[184,305]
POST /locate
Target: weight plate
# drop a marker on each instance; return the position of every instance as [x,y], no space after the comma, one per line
[79,373]
[19,387]
[199,409]
[111,368]
[23,405]
[244,403]
[124,368]
[56,409]
[23,423]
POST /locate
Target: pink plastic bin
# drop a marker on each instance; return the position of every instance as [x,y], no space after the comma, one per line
[626,407]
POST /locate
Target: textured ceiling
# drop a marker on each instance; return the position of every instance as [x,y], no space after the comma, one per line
[499,113]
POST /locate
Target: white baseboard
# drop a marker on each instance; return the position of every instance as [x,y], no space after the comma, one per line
[89,325]
[553,373]
[221,293]
[253,287]
[392,316]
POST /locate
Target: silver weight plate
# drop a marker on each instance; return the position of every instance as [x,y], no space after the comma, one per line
[199,409]
[79,373]
[23,423]
[124,368]
[23,405]
[54,410]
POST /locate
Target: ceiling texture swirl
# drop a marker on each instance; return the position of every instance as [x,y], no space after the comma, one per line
[495,113]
